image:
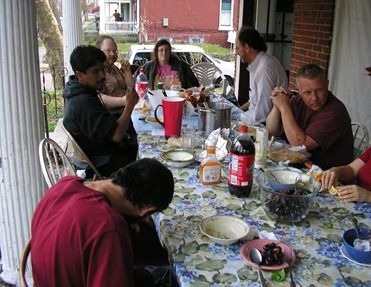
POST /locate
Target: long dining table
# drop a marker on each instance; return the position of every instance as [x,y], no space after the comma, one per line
[197,261]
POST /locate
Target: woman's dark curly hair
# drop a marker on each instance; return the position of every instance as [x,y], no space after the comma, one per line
[146,182]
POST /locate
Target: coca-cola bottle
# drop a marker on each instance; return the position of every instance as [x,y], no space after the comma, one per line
[241,165]
[141,85]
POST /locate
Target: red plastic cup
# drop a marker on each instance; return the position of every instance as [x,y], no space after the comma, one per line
[173,114]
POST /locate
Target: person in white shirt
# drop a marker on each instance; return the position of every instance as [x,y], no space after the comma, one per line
[266,73]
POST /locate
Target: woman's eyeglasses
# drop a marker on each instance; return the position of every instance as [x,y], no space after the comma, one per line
[109,52]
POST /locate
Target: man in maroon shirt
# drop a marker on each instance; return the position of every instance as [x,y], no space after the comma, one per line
[316,119]
[81,235]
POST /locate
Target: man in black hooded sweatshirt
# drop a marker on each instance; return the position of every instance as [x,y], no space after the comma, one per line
[102,135]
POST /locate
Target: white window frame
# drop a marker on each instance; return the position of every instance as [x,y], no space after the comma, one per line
[230,26]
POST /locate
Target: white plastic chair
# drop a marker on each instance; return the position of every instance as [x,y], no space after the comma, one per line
[79,154]
[360,138]
[54,162]
[206,74]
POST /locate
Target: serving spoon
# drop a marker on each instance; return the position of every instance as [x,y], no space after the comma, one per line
[256,257]
[356,227]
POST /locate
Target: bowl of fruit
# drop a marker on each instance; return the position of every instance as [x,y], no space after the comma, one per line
[288,205]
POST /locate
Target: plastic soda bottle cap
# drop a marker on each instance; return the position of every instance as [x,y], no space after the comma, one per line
[243,129]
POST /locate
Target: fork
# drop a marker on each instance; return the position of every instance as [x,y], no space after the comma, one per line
[289,259]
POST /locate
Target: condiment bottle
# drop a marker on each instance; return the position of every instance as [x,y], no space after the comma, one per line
[241,164]
[210,168]
[261,147]
[175,85]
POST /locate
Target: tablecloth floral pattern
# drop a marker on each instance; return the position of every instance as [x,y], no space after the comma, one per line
[199,262]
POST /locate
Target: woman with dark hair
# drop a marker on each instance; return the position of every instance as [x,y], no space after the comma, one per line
[165,67]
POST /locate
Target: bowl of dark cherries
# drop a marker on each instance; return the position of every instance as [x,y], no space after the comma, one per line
[288,205]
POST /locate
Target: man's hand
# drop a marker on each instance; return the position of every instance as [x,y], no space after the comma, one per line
[132,99]
[280,98]
[125,66]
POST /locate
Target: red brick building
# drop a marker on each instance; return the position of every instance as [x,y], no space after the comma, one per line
[194,21]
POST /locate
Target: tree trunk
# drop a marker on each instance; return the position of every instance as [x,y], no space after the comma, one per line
[52,38]
[57,13]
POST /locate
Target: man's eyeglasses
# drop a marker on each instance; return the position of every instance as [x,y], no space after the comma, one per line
[109,52]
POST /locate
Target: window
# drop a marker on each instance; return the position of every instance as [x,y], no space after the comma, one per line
[226,15]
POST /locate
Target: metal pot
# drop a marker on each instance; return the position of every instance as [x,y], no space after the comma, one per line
[217,115]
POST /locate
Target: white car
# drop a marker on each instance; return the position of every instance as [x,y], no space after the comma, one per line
[140,54]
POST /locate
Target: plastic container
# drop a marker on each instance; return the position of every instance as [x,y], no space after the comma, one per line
[210,168]
[357,255]
[141,85]
[241,164]
[175,85]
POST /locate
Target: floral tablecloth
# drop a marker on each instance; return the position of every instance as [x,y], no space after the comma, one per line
[198,261]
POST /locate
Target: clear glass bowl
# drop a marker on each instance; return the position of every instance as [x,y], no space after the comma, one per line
[288,205]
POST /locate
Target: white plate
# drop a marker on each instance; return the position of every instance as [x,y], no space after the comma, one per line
[346,255]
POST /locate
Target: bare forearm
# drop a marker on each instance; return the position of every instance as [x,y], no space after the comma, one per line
[344,173]
[113,102]
[123,123]
[294,134]
[245,106]
[273,122]
[129,79]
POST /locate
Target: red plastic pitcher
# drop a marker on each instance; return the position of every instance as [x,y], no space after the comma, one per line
[173,113]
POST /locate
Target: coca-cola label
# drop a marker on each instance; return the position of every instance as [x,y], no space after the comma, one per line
[241,169]
[141,89]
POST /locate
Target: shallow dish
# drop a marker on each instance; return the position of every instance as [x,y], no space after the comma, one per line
[357,255]
[259,244]
[282,179]
[178,158]
[224,229]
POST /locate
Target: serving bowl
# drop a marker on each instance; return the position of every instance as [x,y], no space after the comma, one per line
[357,255]
[291,205]
[224,229]
[282,179]
[178,158]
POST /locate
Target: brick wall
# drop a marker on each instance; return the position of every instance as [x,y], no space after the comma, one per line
[311,43]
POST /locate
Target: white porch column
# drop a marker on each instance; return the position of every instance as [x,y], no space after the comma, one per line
[21,129]
[72,30]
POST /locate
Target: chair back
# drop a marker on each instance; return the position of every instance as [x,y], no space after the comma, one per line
[360,138]
[207,73]
[54,162]
[23,264]
[79,154]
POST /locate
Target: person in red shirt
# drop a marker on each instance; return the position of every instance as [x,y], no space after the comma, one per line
[360,170]
[81,230]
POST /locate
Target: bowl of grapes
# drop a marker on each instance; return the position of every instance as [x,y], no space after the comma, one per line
[291,204]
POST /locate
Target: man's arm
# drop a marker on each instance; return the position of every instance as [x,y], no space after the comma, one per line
[123,121]
[113,102]
[294,134]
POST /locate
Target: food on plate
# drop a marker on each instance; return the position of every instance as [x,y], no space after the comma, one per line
[272,254]
[191,97]
[286,154]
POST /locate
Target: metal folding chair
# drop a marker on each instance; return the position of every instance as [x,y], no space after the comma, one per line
[360,137]
[79,154]
[54,162]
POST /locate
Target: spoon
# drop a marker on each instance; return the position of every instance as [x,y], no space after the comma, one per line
[355,222]
[256,257]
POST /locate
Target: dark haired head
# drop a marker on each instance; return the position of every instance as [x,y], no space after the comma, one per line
[101,39]
[147,182]
[250,36]
[161,42]
[310,71]
[84,57]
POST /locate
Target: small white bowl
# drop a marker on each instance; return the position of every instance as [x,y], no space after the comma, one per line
[224,229]
[178,158]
